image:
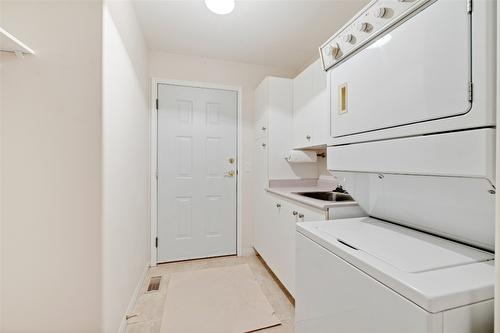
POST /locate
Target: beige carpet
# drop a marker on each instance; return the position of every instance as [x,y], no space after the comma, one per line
[216,300]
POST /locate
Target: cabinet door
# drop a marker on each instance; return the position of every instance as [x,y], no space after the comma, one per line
[288,225]
[302,122]
[281,258]
[261,166]
[320,113]
[260,226]
[280,121]
[261,101]
[266,228]
[274,257]
[261,215]
[290,213]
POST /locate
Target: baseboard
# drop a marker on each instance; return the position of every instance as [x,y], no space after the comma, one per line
[133,300]
[275,278]
[247,251]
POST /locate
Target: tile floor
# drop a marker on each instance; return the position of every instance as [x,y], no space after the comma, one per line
[149,307]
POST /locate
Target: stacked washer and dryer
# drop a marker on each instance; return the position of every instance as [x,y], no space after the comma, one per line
[412,88]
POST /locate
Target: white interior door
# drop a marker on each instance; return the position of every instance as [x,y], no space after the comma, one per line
[197,149]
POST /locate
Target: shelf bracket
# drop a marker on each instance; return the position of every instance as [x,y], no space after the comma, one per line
[9,43]
[19,54]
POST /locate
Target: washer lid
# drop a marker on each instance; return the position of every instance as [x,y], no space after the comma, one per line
[435,273]
[405,249]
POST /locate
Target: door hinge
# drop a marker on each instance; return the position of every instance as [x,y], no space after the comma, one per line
[157,104]
[156,174]
[156,242]
[471,91]
[469,6]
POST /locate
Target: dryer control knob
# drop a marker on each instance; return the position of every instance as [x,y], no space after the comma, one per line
[380,12]
[348,38]
[335,50]
[362,26]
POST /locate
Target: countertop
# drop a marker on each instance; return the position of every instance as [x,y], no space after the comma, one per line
[287,189]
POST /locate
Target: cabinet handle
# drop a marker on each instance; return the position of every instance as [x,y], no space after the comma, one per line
[263,145]
[295,213]
[301,216]
[263,128]
[308,137]
[278,205]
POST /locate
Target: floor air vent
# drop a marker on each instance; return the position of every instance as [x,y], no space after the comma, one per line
[154,283]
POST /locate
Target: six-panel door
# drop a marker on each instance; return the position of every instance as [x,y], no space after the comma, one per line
[197,140]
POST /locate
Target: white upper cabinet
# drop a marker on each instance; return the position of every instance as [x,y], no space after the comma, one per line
[261,97]
[321,105]
[274,128]
[302,103]
[310,107]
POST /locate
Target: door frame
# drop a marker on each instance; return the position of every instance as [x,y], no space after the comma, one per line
[154,157]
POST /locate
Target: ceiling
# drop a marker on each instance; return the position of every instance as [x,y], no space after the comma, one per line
[283,33]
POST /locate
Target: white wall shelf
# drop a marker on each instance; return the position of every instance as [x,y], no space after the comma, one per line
[9,43]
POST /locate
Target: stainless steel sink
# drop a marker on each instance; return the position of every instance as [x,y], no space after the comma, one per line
[327,196]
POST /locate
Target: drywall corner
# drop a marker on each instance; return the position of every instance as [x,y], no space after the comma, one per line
[125,162]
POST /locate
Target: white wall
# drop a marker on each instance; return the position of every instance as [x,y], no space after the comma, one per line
[126,247]
[248,76]
[51,168]
[1,159]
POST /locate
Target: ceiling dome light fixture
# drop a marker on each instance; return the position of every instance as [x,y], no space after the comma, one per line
[220,7]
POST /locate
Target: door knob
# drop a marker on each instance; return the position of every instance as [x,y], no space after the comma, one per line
[229,173]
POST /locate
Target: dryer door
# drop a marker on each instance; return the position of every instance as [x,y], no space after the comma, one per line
[418,72]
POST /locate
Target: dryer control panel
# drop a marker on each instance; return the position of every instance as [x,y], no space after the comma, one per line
[371,22]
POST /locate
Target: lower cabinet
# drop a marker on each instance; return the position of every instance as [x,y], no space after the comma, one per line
[274,234]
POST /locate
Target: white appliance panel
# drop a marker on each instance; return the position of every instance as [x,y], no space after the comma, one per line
[444,283]
[441,183]
[404,249]
[334,296]
[454,207]
[419,71]
[340,289]
[460,154]
[373,20]
[413,141]
[479,317]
